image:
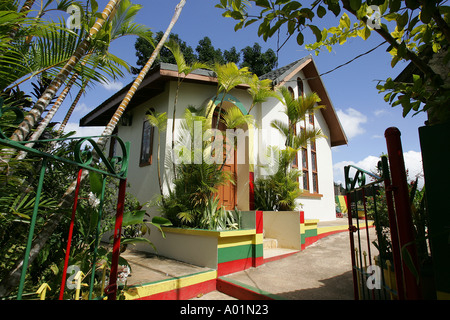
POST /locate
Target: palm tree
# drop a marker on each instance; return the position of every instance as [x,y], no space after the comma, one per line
[229,76]
[72,108]
[281,189]
[118,25]
[158,120]
[260,90]
[184,70]
[296,111]
[31,118]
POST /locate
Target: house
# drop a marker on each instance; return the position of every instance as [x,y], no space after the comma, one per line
[158,90]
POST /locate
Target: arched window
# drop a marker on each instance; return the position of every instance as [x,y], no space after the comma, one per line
[147,142]
[291,91]
[300,89]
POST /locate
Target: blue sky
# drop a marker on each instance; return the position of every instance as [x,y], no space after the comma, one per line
[352,89]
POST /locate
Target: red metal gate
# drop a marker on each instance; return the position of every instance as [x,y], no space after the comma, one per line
[385,200]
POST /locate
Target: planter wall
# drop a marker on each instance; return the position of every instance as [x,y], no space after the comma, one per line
[225,251]
[284,226]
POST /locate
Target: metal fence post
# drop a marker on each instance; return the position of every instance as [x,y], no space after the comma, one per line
[112,287]
[403,211]
[32,227]
[396,255]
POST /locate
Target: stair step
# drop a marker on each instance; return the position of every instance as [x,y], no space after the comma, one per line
[269,243]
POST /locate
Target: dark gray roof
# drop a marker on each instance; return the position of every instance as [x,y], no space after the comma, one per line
[279,74]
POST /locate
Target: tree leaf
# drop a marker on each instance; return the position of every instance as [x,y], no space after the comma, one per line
[364,33]
[96,182]
[263,3]
[402,21]
[355,4]
[133,217]
[316,32]
[321,11]
[300,39]
[394,5]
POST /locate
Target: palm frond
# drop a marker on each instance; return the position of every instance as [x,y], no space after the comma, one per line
[281,127]
[260,90]
[158,120]
[230,76]
[233,118]
[307,136]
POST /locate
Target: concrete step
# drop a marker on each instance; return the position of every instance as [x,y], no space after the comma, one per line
[269,243]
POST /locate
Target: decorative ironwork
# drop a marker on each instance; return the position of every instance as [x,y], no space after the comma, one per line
[84,159]
[116,166]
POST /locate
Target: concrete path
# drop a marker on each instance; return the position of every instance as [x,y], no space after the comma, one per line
[320,272]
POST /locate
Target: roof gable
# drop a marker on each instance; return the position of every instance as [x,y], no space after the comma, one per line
[284,74]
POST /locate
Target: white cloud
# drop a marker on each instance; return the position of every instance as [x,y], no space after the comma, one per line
[369,164]
[113,86]
[380,112]
[83,131]
[413,163]
[351,121]
[82,108]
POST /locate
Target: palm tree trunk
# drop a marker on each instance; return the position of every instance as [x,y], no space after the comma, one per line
[72,107]
[26,7]
[159,169]
[12,280]
[137,82]
[179,81]
[44,123]
[32,117]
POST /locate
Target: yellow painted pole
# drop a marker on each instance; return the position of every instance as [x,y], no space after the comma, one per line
[78,278]
[43,290]
[103,278]
[388,264]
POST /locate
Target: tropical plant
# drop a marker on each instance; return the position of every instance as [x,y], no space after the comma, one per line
[118,25]
[33,116]
[184,70]
[279,191]
[159,121]
[260,90]
[215,217]
[195,182]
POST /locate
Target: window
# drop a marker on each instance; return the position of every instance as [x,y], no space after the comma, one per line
[294,163]
[146,144]
[315,179]
[305,170]
[291,91]
[300,87]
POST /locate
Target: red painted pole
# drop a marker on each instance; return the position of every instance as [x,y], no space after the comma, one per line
[111,289]
[394,234]
[251,183]
[69,238]
[403,210]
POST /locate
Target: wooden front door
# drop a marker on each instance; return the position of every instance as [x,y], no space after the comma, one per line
[227,192]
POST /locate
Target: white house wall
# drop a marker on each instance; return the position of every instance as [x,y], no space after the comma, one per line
[143,180]
[315,207]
